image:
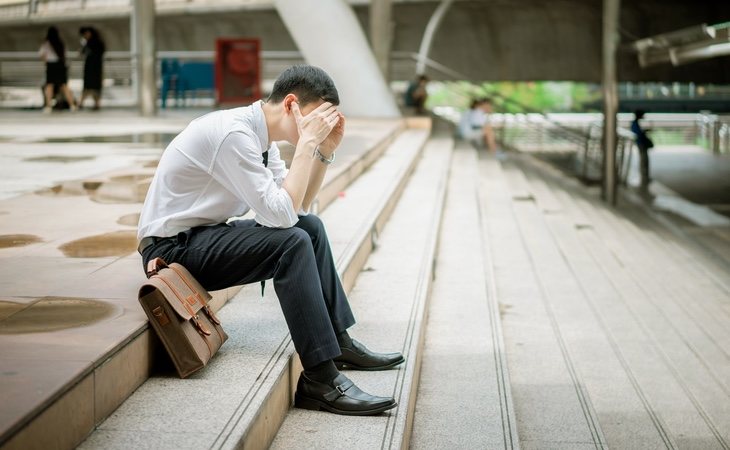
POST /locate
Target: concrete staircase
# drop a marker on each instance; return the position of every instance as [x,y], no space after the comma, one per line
[616,332]
[91,368]
[260,357]
[531,316]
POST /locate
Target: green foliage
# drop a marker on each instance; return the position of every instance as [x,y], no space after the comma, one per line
[516,97]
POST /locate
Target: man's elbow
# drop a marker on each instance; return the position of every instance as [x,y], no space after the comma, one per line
[289,222]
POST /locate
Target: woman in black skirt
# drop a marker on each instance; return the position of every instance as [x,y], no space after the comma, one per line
[93,52]
[53,52]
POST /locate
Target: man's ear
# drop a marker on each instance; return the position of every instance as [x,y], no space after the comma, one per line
[288,100]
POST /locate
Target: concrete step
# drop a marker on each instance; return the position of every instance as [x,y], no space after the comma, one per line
[391,303]
[551,395]
[240,399]
[689,304]
[91,368]
[674,371]
[464,395]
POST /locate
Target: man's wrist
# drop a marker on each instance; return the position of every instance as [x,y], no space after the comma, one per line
[325,150]
[326,159]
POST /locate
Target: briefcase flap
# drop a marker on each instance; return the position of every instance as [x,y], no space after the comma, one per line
[185,302]
[191,281]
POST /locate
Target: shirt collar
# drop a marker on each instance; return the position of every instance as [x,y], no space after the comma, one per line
[259,124]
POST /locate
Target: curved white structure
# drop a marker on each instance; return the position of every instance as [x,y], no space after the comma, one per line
[329,36]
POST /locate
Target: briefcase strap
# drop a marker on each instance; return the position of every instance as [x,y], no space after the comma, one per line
[154,266]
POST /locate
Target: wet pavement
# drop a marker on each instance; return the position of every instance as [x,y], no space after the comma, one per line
[53,154]
[696,174]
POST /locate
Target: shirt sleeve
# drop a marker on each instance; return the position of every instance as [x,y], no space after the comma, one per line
[277,166]
[239,168]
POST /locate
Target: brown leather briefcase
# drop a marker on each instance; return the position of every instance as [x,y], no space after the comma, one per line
[177,306]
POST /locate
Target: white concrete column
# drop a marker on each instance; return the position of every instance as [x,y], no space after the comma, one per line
[610,97]
[142,33]
[329,36]
[381,33]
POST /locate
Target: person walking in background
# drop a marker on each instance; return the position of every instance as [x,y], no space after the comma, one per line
[93,52]
[53,52]
[644,143]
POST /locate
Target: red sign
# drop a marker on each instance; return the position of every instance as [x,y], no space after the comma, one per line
[237,70]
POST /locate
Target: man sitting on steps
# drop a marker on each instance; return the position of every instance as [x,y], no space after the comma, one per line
[226,163]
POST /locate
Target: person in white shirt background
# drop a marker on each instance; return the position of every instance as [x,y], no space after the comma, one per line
[53,53]
[475,125]
[226,163]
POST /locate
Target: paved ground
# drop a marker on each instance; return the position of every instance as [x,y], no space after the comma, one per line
[695,173]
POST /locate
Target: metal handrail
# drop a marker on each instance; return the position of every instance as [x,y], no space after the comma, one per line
[184,54]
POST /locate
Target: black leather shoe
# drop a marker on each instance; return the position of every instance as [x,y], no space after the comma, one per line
[340,397]
[358,357]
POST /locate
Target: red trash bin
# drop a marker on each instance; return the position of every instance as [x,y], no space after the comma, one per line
[237,70]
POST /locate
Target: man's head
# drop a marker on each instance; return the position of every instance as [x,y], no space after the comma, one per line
[639,113]
[305,85]
[486,104]
[308,83]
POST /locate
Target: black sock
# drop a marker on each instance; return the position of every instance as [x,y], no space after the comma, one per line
[344,340]
[323,372]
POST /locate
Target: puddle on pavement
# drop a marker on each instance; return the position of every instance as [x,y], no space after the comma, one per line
[117,243]
[125,191]
[161,139]
[52,314]
[59,158]
[18,240]
[7,309]
[523,198]
[119,189]
[129,219]
[67,189]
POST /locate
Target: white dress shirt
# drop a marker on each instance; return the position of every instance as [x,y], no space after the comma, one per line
[212,171]
[472,122]
[47,53]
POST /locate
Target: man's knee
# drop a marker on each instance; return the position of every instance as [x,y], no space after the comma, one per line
[311,224]
[297,237]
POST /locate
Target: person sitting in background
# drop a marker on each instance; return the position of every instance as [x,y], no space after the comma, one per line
[53,52]
[643,143]
[416,94]
[475,125]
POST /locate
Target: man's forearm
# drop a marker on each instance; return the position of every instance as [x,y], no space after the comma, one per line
[297,181]
[316,176]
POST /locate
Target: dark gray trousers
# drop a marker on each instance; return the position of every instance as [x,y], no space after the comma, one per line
[299,260]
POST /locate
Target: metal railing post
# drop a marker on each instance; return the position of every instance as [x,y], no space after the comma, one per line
[610,99]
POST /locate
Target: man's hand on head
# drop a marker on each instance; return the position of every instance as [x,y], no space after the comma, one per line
[332,141]
[316,126]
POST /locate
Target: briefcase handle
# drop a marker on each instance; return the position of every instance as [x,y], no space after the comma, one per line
[155,265]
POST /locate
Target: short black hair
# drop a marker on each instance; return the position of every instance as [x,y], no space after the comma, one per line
[308,83]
